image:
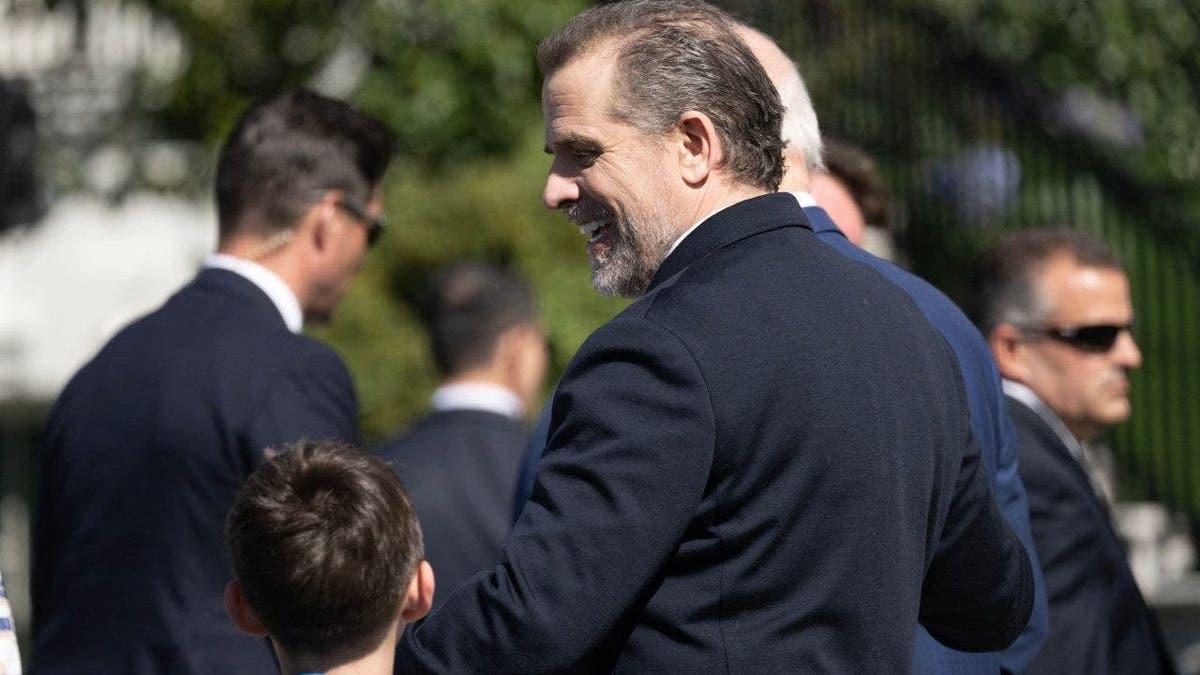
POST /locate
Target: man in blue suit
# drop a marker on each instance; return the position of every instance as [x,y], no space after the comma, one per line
[990,422]
[150,441]
[742,475]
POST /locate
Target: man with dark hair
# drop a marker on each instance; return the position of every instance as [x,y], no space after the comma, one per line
[327,560]
[851,189]
[714,496]
[985,400]
[1055,307]
[149,442]
[462,458]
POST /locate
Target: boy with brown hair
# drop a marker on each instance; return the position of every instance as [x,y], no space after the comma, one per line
[328,559]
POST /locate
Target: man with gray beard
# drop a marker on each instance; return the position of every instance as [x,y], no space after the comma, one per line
[742,476]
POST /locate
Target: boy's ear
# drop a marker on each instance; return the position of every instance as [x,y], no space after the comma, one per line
[243,615]
[419,597]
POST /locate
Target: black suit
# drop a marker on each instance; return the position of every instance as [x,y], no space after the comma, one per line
[764,464]
[460,467]
[1099,623]
[144,452]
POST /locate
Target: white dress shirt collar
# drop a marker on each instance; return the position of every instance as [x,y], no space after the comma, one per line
[688,231]
[478,396]
[806,199]
[268,282]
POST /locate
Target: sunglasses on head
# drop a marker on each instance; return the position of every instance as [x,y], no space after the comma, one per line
[374,224]
[1098,339]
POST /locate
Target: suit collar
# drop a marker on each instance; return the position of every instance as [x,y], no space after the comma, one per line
[731,224]
[235,286]
[268,282]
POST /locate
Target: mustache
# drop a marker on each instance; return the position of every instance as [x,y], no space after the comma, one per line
[587,211]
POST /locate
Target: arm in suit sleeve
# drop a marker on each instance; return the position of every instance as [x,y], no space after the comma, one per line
[313,398]
[529,460]
[630,452]
[978,591]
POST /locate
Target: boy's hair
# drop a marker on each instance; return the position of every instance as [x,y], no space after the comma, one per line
[324,541]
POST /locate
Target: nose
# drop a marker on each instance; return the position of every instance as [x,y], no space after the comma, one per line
[1126,352]
[561,190]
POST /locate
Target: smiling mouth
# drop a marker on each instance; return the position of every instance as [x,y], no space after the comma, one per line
[594,230]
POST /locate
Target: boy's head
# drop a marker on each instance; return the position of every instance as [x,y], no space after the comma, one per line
[327,555]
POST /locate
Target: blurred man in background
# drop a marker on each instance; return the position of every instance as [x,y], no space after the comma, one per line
[461,460]
[149,442]
[1056,309]
[989,418]
[851,190]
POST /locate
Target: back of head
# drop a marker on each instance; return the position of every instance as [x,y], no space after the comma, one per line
[324,541]
[1006,282]
[287,147]
[859,174]
[472,304]
[679,55]
[800,130]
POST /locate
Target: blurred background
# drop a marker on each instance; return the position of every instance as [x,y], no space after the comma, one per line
[984,115]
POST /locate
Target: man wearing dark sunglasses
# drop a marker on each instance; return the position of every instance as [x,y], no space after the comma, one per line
[1055,306]
[150,441]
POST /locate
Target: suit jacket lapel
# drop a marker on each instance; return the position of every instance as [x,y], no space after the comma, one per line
[1063,455]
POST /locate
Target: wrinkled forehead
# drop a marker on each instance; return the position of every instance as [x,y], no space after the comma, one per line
[579,94]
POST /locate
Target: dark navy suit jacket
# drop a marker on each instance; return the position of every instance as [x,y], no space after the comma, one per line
[144,452]
[1100,624]
[993,431]
[459,467]
[762,465]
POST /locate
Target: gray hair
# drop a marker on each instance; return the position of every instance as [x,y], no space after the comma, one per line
[1006,283]
[800,127]
[679,55]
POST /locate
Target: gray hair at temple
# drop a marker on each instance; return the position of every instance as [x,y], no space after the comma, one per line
[679,55]
[1006,280]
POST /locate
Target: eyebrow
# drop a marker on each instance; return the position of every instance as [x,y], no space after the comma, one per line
[575,142]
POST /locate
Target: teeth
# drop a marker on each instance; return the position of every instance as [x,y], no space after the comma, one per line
[588,229]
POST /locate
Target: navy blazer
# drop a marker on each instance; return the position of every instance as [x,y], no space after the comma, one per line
[993,431]
[144,452]
[764,464]
[459,467]
[1099,623]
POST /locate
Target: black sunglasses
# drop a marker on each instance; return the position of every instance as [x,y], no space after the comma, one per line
[1096,339]
[374,224]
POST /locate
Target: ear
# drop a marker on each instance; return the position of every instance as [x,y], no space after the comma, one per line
[698,145]
[419,596]
[243,615]
[522,353]
[319,222]
[1009,351]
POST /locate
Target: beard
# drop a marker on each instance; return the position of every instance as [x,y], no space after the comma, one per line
[631,249]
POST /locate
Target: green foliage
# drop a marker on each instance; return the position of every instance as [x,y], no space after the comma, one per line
[455,78]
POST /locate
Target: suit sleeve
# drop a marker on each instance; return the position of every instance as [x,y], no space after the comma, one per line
[978,590]
[311,399]
[630,450]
